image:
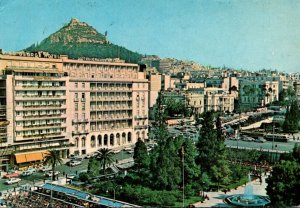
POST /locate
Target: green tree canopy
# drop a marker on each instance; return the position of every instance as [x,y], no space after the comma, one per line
[292,118]
[140,156]
[93,167]
[105,158]
[53,159]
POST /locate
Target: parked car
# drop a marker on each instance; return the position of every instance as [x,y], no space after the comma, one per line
[260,140]
[49,173]
[88,156]
[128,148]
[74,162]
[130,151]
[46,168]
[12,175]
[27,173]
[12,180]
[33,170]
[116,151]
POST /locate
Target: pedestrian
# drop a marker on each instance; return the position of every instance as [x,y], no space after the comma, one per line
[64,173]
[260,180]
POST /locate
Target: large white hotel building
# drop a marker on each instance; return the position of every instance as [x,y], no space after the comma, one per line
[75,106]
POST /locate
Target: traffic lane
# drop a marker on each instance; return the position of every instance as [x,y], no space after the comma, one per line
[84,165]
[281,146]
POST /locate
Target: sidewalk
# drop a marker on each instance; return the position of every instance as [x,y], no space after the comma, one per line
[216,199]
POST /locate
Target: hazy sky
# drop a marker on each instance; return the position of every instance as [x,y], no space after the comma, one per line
[250,34]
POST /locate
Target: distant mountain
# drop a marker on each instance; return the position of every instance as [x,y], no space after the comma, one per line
[78,39]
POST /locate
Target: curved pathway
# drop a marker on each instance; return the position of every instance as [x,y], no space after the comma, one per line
[216,199]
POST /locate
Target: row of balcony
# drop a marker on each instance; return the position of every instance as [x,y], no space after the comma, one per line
[76,132]
[39,135]
[111,108]
[39,88]
[117,89]
[141,127]
[52,115]
[116,127]
[41,97]
[80,120]
[104,118]
[112,98]
[41,126]
[44,106]
[141,117]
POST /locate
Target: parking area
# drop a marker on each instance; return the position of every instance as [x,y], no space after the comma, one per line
[41,176]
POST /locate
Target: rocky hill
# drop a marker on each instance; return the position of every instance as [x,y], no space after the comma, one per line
[78,39]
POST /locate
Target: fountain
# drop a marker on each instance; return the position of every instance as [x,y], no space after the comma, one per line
[248,199]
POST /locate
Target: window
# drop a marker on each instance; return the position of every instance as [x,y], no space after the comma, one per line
[83,85]
[76,106]
[83,107]
[76,84]
[83,95]
[76,95]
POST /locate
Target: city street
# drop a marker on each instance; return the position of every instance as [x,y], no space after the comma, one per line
[278,146]
[39,176]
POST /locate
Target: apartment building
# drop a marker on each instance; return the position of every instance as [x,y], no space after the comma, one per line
[75,106]
[257,92]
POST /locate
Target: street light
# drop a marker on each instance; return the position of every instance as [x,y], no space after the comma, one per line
[114,192]
[182,152]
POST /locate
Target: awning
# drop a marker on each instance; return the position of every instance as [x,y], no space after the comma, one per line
[21,158]
[30,157]
[34,156]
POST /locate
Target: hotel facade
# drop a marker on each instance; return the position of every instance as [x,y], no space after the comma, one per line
[74,106]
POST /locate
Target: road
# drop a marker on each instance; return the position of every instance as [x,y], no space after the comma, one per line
[278,146]
[39,176]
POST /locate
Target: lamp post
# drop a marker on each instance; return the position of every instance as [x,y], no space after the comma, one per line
[182,152]
[114,193]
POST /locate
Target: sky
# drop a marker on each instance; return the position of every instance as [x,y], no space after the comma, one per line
[241,34]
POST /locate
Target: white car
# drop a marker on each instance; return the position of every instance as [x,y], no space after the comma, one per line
[12,180]
[128,148]
[116,151]
[46,168]
[49,173]
[75,162]
[27,173]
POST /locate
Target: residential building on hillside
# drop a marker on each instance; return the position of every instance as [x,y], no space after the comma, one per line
[254,93]
[297,90]
[74,106]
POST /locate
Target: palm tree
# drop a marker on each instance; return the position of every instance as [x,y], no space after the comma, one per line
[105,157]
[53,159]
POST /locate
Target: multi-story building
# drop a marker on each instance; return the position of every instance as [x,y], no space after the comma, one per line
[75,106]
[255,92]
[297,90]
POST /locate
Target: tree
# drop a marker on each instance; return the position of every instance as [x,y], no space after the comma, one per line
[292,117]
[140,156]
[212,152]
[53,159]
[205,146]
[93,167]
[284,184]
[105,157]
[165,165]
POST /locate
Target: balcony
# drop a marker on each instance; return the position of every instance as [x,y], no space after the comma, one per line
[43,97]
[42,126]
[80,120]
[76,132]
[141,127]
[40,117]
[141,117]
[38,88]
[38,136]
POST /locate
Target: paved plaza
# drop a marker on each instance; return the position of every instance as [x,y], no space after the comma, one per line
[216,199]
